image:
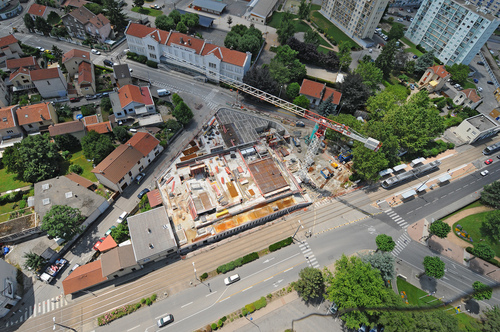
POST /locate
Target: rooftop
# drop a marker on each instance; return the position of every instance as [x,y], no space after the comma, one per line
[7,40]
[7,119]
[44,74]
[440,71]
[118,163]
[263,8]
[121,71]
[83,277]
[143,142]
[66,128]
[84,16]
[13,64]
[208,4]
[132,93]
[101,127]
[471,94]
[37,10]
[116,259]
[76,53]
[80,180]
[482,122]
[33,113]
[311,88]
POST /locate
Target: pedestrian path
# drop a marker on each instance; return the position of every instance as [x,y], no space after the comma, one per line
[401,244]
[308,254]
[397,218]
[38,309]
[208,99]
[323,202]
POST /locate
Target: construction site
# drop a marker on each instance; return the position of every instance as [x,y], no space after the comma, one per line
[239,171]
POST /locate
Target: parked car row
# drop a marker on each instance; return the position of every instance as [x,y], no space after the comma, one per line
[381,34]
[97,96]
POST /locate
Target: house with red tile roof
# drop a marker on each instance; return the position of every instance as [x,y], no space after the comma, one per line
[434,78]
[120,168]
[50,82]
[10,130]
[72,59]
[74,128]
[37,117]
[132,101]
[101,127]
[83,277]
[37,10]
[9,49]
[74,3]
[178,49]
[468,98]
[86,79]
[81,21]
[26,62]
[318,92]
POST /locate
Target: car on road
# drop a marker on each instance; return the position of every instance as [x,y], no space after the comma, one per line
[109,230]
[165,320]
[232,279]
[155,6]
[498,156]
[400,19]
[139,177]
[98,243]
[98,95]
[122,217]
[300,124]
[74,268]
[108,63]
[74,99]
[143,192]
[90,97]
[94,51]
[490,82]
[484,173]
[476,80]
[489,161]
[48,51]
[41,49]
[480,63]
[479,89]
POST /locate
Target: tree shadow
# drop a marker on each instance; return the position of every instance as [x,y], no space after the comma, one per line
[472,306]
[428,284]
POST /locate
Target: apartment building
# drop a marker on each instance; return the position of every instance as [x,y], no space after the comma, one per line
[492,5]
[357,18]
[455,29]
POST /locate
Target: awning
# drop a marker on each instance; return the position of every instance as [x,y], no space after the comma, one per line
[417,161]
[445,178]
[385,172]
[399,167]
[409,194]
[421,188]
[433,83]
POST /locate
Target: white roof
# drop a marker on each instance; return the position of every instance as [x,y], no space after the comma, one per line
[421,188]
[445,178]
[409,193]
[385,172]
[399,167]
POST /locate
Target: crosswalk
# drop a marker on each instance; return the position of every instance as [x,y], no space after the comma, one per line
[208,99]
[323,202]
[308,254]
[38,309]
[401,243]
[397,219]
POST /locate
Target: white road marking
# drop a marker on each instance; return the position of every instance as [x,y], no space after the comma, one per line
[210,294]
[187,304]
[288,269]
[246,289]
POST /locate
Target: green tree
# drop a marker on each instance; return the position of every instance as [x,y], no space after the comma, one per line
[42,25]
[491,225]
[106,105]
[434,267]
[384,242]
[261,78]
[385,60]
[396,32]
[386,100]
[311,284]
[354,93]
[75,168]
[93,7]
[191,20]
[138,3]
[285,67]
[67,142]
[286,28]
[410,67]
[371,74]
[312,37]
[481,291]
[57,52]
[96,147]
[249,43]
[327,107]
[492,321]
[176,99]
[62,221]
[121,232]
[181,27]
[385,134]
[164,22]
[355,285]
[292,90]
[33,261]
[232,40]
[484,251]
[34,159]
[440,229]
[344,54]
[183,113]
[368,163]
[382,261]
[115,15]
[459,72]
[302,101]
[424,62]
[28,22]
[121,134]
[491,195]
[175,15]
[304,9]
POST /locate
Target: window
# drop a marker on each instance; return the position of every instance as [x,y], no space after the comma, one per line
[130,174]
[151,47]
[30,126]
[152,56]
[48,83]
[212,65]
[10,131]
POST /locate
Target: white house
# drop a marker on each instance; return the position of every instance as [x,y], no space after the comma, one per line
[132,101]
[49,82]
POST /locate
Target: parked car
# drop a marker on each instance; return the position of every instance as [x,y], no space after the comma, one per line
[479,89]
[476,80]
[48,51]
[155,6]
[74,99]
[122,217]
[143,192]
[98,243]
[74,268]
[498,156]
[98,95]
[489,161]
[139,177]
[480,63]
[300,124]
[490,82]
[412,86]
[108,63]
[94,51]
[109,230]
[165,320]
[41,49]
[232,279]
[400,19]
[415,57]
[90,97]
[484,173]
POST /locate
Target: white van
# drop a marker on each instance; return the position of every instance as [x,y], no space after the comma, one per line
[122,217]
[163,92]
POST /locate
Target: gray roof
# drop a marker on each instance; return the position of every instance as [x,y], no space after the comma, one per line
[151,233]
[263,8]
[208,4]
[63,191]
[121,71]
[204,21]
[482,122]
[116,259]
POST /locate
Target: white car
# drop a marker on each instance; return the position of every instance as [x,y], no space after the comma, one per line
[484,173]
[479,89]
[41,49]
[122,217]
[232,279]
[94,51]
[165,320]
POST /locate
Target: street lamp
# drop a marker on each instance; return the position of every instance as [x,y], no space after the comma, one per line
[195,277]
[300,225]
[279,96]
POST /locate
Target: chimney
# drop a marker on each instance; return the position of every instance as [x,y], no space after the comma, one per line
[140,89]
[101,171]
[189,42]
[126,96]
[182,41]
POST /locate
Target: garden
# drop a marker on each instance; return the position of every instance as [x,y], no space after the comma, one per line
[471,229]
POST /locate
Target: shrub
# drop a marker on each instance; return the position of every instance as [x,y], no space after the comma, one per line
[142,58]
[280,244]
[66,155]
[204,276]
[224,319]
[153,297]
[143,301]
[208,328]
[220,323]
[238,262]
[244,312]
[250,308]
[261,303]
[149,302]
[269,295]
[77,169]
[152,64]
[250,257]
[137,306]
[214,326]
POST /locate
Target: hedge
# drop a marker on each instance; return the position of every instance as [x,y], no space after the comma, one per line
[237,262]
[283,243]
[493,261]
[152,64]
[251,307]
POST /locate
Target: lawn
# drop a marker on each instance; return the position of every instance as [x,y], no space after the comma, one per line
[9,182]
[79,159]
[412,47]
[276,19]
[323,50]
[415,295]
[147,11]
[472,225]
[331,29]
[470,206]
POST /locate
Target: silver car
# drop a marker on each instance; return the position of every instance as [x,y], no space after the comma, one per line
[232,279]
[165,320]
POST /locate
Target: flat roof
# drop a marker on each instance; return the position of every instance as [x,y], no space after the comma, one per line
[445,178]
[264,8]
[267,176]
[211,5]
[409,193]
[204,21]
[482,122]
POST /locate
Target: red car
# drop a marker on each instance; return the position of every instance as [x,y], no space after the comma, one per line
[74,99]
[98,243]
[489,161]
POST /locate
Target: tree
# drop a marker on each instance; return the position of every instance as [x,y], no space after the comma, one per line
[93,7]
[181,27]
[164,22]
[106,105]
[492,321]
[440,229]
[249,43]
[434,267]
[286,28]
[385,60]
[327,107]
[67,142]
[75,168]
[176,99]
[400,60]
[410,67]
[481,291]
[183,113]
[232,40]
[42,25]
[261,78]
[229,20]
[459,72]
[371,74]
[121,232]
[311,284]
[63,221]
[424,62]
[33,261]
[191,20]
[304,9]
[285,67]
[368,163]
[491,225]
[28,22]
[96,147]
[344,54]
[115,15]
[138,3]
[292,90]
[491,195]
[396,32]
[57,52]
[484,251]
[388,99]
[384,242]
[354,93]
[34,159]
[302,101]
[312,37]
[121,134]
[382,261]
[355,285]
[175,15]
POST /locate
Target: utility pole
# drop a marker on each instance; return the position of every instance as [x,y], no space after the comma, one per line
[300,225]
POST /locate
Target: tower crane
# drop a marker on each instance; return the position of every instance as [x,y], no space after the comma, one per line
[322,123]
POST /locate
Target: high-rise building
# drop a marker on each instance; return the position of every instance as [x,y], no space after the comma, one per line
[455,29]
[357,18]
[492,5]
